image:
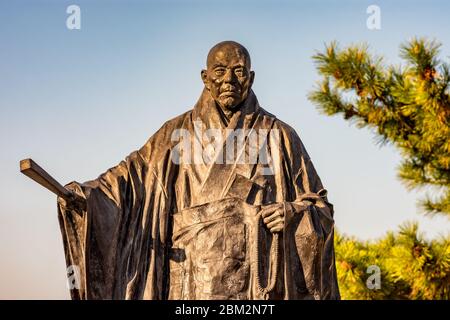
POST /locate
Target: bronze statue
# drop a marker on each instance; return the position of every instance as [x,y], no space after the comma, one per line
[222,202]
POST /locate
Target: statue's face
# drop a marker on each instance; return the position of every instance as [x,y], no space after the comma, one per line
[228,76]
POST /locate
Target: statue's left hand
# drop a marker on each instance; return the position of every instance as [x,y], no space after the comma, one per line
[273,216]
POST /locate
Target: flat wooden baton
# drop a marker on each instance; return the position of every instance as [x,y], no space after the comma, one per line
[31,169]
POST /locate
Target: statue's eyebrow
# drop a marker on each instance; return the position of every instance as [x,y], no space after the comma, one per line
[238,65]
[218,65]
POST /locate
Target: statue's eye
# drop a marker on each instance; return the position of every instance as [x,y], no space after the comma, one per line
[239,72]
[219,72]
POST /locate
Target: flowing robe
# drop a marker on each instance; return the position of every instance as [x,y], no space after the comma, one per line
[156,227]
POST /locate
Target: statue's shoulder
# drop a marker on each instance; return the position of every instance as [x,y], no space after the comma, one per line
[288,134]
[178,122]
[161,140]
[283,127]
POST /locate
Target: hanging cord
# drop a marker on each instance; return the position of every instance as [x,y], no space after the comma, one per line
[274,256]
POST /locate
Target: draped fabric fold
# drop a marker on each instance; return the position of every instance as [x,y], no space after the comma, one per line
[141,234]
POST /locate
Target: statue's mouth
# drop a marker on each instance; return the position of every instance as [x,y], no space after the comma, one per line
[229,94]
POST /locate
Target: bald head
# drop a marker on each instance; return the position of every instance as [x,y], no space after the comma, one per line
[228,76]
[228,49]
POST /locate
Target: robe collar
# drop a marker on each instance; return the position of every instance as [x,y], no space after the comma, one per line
[207,111]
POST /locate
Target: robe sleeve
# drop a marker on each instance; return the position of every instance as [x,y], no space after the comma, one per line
[118,245]
[94,239]
[309,228]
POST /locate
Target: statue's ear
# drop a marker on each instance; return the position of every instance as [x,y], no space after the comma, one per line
[252,78]
[204,75]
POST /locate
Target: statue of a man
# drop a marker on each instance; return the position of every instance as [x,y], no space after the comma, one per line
[222,202]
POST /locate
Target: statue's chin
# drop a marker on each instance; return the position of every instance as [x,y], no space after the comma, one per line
[229,104]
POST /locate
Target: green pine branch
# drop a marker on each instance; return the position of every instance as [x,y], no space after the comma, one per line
[411,267]
[407,106]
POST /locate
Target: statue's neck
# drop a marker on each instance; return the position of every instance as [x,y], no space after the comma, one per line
[227,113]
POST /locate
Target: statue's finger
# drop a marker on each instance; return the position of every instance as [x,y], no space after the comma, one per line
[271,218]
[274,223]
[266,212]
[61,201]
[278,228]
[269,209]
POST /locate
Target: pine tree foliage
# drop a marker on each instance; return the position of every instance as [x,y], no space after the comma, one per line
[411,267]
[406,105]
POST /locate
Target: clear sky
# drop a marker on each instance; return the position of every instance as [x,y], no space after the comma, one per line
[79,101]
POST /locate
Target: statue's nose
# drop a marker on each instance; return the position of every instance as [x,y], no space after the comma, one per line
[229,76]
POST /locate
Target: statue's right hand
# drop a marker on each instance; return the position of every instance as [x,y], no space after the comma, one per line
[73,203]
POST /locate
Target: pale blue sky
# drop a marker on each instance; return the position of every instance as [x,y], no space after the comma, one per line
[79,101]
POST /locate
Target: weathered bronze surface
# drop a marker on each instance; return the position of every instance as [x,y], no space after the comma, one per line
[161,226]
